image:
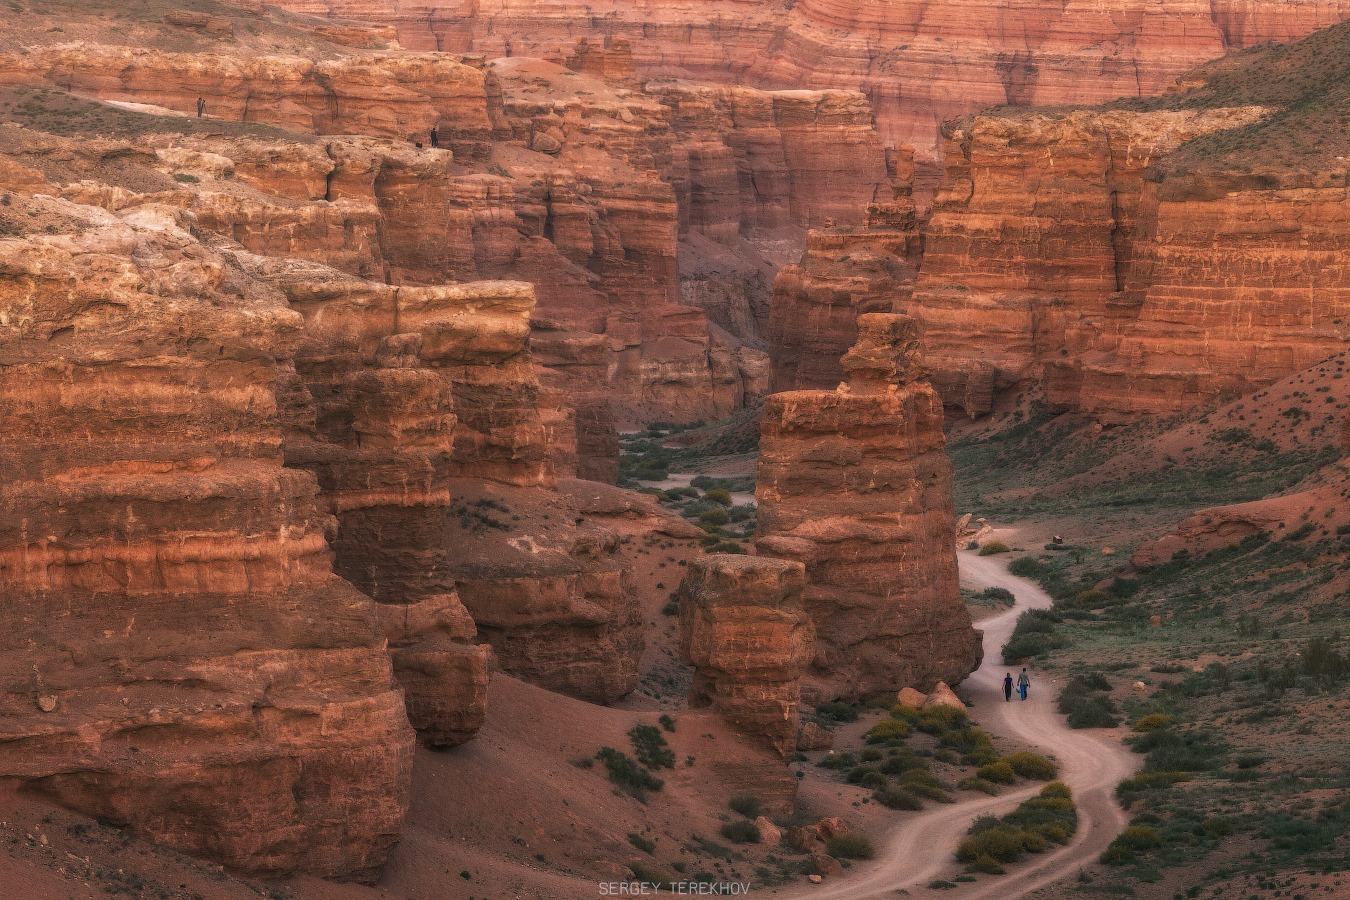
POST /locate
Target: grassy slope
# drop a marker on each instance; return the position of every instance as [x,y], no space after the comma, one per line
[1258,736]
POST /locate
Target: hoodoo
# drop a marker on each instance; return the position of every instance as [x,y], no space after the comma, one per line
[854,484]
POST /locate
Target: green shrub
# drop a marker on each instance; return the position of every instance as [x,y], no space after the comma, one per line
[837,711]
[185,178]
[938,720]
[1085,706]
[998,772]
[897,798]
[740,831]
[987,865]
[1152,721]
[888,731]
[998,595]
[641,842]
[838,761]
[651,747]
[1131,842]
[1002,842]
[747,805]
[667,722]
[1025,567]
[719,495]
[979,784]
[853,845]
[858,773]
[628,775]
[715,516]
[994,547]
[1031,765]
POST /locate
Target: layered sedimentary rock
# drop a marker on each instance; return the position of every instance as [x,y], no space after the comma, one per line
[744,630]
[1064,251]
[854,484]
[920,63]
[751,170]
[177,653]
[397,95]
[844,273]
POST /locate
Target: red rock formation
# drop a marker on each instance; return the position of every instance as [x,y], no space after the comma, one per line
[743,628]
[177,653]
[920,63]
[854,483]
[845,272]
[1053,256]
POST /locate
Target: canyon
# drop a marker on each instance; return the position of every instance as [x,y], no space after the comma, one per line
[919,64]
[310,472]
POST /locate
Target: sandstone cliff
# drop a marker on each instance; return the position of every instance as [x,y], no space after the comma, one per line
[1143,260]
[920,63]
[854,484]
[844,273]
[178,654]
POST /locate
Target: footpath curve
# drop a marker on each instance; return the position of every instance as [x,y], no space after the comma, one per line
[1091,762]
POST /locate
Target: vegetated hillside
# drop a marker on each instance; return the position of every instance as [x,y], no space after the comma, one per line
[1306,85]
[1222,640]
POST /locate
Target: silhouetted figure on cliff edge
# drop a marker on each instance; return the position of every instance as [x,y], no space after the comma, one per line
[201,107]
[435,137]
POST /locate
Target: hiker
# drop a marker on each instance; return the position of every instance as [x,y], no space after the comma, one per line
[1007,688]
[435,137]
[1023,682]
[201,107]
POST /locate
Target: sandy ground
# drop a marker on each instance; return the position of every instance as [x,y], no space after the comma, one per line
[1091,762]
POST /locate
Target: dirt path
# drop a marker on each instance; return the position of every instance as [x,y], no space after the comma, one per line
[1091,762]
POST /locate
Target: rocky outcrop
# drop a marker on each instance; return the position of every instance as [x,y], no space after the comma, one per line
[1123,285]
[854,484]
[920,63]
[178,655]
[745,632]
[844,273]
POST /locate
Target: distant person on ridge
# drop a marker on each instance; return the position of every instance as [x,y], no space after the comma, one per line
[1023,682]
[201,107]
[1007,688]
[435,137]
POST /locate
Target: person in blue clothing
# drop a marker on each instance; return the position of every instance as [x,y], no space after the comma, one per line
[1023,682]
[1007,688]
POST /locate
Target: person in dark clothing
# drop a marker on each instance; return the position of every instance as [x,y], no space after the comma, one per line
[1023,682]
[201,107]
[1007,688]
[435,137]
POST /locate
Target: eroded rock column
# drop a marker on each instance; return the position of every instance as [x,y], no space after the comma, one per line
[743,628]
[855,485]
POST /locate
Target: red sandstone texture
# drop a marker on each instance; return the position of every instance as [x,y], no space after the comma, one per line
[743,628]
[1055,254]
[919,63]
[844,273]
[177,653]
[854,484]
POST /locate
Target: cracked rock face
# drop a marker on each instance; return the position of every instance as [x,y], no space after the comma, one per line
[854,484]
[177,654]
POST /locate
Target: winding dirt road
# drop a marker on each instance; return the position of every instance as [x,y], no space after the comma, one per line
[1091,762]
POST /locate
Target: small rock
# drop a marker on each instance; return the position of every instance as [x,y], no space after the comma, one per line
[769,833]
[943,696]
[814,737]
[814,879]
[1155,621]
[544,143]
[831,827]
[826,864]
[1108,551]
[1140,686]
[910,697]
[47,704]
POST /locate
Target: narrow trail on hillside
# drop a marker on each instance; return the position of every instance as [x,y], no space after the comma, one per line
[921,847]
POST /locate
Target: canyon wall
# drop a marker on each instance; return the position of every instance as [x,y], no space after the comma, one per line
[855,484]
[845,272]
[919,63]
[1065,250]
[178,655]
